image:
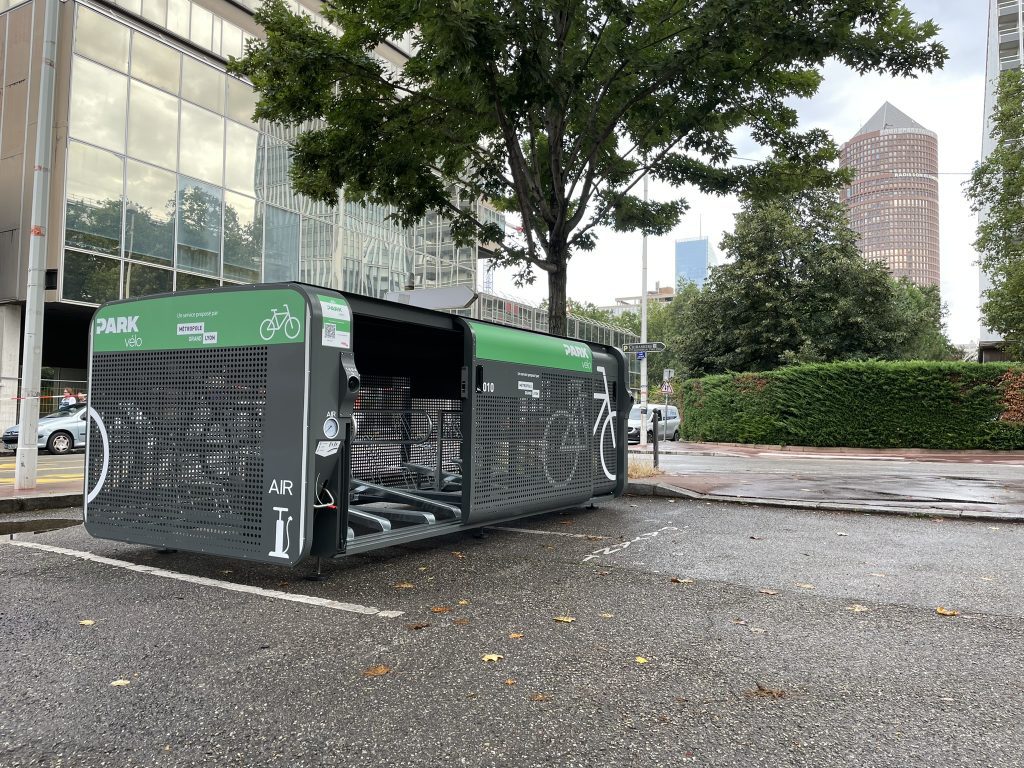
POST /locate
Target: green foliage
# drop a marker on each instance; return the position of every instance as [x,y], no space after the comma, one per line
[996,189]
[556,109]
[799,291]
[957,406]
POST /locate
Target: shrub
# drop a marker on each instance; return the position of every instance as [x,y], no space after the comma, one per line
[957,406]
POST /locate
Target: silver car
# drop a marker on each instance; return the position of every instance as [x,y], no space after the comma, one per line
[59,432]
[668,423]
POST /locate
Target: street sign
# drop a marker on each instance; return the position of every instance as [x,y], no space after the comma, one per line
[641,355]
[666,388]
[650,346]
[453,297]
[668,374]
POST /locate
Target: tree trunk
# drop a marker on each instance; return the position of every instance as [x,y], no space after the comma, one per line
[556,300]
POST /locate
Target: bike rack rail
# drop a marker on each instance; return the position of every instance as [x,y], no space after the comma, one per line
[208,435]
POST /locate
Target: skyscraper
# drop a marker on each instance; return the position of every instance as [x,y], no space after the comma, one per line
[1004,52]
[894,198]
[694,259]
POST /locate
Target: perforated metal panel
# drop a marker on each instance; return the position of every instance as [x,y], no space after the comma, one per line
[186,432]
[395,430]
[533,452]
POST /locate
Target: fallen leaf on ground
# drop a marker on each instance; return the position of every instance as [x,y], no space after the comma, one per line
[458,555]
[510,681]
[641,660]
[515,635]
[492,657]
[463,602]
[417,625]
[461,622]
[857,608]
[758,630]
[757,538]
[422,568]
[762,692]
[539,697]
[87,622]
[565,522]
[840,533]
[602,573]
[376,671]
[405,585]
[739,622]
[565,619]
[441,609]
[767,591]
[676,580]
[946,611]
[607,615]
[806,586]
[121,683]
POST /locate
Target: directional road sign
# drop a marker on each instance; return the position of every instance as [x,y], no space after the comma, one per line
[650,346]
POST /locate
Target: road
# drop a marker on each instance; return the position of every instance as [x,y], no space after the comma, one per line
[703,633]
[976,485]
[51,470]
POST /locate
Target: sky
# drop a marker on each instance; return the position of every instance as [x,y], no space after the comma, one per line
[948,101]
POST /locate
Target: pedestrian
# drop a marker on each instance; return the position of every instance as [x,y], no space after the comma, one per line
[68,400]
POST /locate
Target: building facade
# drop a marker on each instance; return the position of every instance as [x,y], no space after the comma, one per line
[624,304]
[1005,51]
[161,180]
[694,259]
[893,201]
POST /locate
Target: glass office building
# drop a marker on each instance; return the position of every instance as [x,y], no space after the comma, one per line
[160,180]
[694,259]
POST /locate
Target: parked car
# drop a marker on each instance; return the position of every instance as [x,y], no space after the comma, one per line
[668,423]
[59,432]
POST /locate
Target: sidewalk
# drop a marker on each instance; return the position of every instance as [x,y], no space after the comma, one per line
[981,485]
[54,494]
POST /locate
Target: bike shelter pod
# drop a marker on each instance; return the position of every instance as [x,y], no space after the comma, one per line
[275,421]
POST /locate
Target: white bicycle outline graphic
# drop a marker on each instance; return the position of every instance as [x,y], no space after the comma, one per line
[280,321]
[574,447]
[606,402]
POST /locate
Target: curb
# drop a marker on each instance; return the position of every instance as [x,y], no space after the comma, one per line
[670,491]
[37,503]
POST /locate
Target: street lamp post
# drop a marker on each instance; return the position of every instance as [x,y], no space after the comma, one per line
[643,335]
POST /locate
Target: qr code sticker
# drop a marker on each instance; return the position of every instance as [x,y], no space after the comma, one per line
[330,336]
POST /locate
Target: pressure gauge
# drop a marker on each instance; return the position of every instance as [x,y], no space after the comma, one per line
[331,428]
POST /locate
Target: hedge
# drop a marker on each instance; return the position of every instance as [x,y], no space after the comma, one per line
[959,406]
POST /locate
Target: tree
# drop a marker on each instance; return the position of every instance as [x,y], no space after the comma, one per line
[556,109]
[996,191]
[798,290]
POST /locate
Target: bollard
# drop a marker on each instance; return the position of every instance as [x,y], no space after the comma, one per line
[654,421]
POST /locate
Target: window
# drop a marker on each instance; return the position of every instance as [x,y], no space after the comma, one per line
[94,199]
[149,214]
[202,144]
[202,84]
[93,279]
[153,125]
[281,245]
[141,280]
[99,102]
[199,226]
[102,39]
[241,167]
[241,101]
[243,239]
[156,63]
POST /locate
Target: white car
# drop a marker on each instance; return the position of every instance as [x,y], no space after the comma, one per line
[59,432]
[668,423]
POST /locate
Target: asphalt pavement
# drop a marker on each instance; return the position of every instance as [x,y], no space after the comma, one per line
[702,634]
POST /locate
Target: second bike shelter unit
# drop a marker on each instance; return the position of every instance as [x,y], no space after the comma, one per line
[271,422]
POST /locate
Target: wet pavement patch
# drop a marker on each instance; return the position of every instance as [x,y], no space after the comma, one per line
[36,526]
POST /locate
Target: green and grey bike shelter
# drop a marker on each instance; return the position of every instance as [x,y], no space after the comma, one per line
[271,422]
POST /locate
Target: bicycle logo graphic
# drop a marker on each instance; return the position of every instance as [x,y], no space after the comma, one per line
[280,321]
[606,402]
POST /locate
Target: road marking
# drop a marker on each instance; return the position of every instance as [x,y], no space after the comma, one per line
[47,479]
[203,581]
[625,544]
[546,533]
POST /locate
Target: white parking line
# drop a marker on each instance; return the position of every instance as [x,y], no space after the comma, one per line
[203,581]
